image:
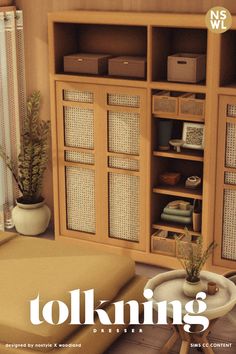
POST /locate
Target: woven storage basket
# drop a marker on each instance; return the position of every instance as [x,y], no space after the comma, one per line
[229,225]
[124,203]
[184,243]
[192,105]
[166,103]
[163,245]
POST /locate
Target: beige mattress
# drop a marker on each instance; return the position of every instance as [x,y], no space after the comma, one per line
[30,266]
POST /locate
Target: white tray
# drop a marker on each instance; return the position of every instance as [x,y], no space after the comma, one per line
[168,287]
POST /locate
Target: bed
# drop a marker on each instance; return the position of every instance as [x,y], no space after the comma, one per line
[32,266]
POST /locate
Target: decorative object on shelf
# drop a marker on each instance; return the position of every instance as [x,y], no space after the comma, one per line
[179,204]
[83,63]
[177,143]
[192,105]
[170,178]
[212,288]
[128,66]
[163,242]
[164,133]
[166,103]
[178,211]
[31,216]
[193,182]
[192,258]
[186,67]
[193,135]
[197,215]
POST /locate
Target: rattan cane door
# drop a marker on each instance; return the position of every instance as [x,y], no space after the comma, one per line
[225,220]
[76,111]
[126,165]
[102,163]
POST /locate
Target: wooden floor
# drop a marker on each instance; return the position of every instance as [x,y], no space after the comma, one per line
[153,337]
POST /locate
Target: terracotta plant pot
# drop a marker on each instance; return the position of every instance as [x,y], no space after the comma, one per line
[6,3]
[191,289]
[31,219]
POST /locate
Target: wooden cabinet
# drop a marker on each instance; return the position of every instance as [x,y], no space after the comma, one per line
[106,155]
[102,156]
[225,221]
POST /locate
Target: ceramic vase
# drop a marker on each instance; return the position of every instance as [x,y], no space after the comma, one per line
[191,289]
[31,219]
[164,133]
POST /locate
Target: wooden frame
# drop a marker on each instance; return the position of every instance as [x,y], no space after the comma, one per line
[189,145]
[212,89]
[101,153]
[221,185]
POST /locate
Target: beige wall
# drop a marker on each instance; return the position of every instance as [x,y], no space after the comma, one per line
[35,19]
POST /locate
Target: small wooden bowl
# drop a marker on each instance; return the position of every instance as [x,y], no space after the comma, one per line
[177,143]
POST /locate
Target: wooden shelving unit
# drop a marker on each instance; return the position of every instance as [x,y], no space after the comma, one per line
[137,34]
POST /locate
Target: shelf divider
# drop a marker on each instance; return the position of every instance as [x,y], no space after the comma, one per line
[173,227]
[179,191]
[192,155]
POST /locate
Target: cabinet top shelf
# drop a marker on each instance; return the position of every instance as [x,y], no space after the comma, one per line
[134,18]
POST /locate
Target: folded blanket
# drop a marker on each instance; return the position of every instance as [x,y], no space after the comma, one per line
[179,212]
[175,218]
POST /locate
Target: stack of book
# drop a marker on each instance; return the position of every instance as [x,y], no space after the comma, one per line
[177,212]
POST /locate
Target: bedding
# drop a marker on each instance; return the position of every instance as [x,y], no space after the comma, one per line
[31,266]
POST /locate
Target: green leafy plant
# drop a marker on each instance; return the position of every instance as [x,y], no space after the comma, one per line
[192,255]
[28,170]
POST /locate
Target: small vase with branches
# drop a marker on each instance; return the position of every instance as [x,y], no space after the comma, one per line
[193,257]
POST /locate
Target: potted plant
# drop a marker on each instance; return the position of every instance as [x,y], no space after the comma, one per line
[31,216]
[192,257]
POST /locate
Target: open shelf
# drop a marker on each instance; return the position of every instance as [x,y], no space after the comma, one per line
[173,227]
[167,41]
[178,191]
[192,119]
[228,59]
[185,154]
[178,86]
[102,80]
[114,40]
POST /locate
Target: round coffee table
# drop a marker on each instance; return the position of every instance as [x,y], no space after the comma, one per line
[168,287]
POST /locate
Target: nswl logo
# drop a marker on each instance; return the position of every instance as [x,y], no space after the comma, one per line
[218,19]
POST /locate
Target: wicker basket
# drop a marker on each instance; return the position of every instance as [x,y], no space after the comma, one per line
[166,103]
[192,105]
[186,244]
[163,245]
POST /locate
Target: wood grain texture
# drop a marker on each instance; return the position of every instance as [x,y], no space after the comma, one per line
[36,47]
